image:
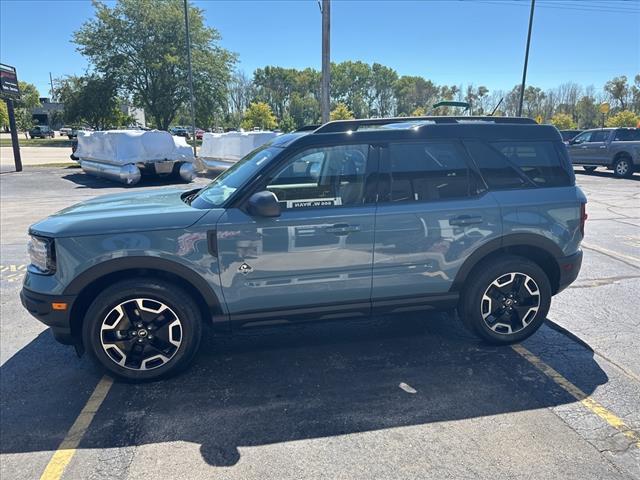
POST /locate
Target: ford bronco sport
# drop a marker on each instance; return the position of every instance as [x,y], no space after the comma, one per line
[357,217]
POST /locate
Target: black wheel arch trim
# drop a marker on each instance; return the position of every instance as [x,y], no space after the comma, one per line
[144,263]
[497,244]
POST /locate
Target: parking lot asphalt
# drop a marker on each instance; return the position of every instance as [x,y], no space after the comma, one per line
[411,396]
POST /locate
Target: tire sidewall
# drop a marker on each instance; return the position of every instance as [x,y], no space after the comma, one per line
[171,295]
[629,165]
[483,277]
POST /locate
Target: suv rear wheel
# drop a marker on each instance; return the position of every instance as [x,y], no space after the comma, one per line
[623,167]
[143,329]
[506,300]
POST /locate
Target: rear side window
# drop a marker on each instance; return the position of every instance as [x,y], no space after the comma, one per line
[425,171]
[627,135]
[498,172]
[521,164]
[539,161]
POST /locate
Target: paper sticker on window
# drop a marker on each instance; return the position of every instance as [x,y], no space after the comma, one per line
[314,202]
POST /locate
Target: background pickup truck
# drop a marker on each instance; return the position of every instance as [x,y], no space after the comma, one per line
[614,148]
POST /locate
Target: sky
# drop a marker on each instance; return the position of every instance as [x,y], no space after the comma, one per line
[451,42]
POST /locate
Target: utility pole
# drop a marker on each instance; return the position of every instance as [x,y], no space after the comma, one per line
[526,59]
[52,92]
[193,110]
[326,60]
[14,135]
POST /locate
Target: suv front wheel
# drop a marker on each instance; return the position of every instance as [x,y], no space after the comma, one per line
[506,300]
[143,329]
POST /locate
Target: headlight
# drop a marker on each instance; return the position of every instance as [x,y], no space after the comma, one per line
[42,254]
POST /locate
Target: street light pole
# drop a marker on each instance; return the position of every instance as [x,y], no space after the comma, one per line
[526,59]
[326,60]
[193,110]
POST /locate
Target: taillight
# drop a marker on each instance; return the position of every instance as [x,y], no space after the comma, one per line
[583,217]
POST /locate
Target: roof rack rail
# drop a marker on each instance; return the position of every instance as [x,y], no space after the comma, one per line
[338,126]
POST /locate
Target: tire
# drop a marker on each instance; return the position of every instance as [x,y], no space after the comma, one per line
[505,299]
[163,340]
[623,167]
[589,169]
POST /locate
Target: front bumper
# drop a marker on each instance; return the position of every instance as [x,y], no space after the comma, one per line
[40,306]
[569,269]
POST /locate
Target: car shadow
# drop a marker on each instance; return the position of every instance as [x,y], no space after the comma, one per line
[292,383]
[606,174]
[84,180]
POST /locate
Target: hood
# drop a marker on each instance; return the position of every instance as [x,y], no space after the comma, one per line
[125,212]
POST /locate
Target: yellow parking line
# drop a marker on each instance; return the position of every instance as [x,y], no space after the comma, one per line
[610,252]
[609,417]
[67,448]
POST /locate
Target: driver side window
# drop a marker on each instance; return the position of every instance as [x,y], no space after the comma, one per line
[583,137]
[322,177]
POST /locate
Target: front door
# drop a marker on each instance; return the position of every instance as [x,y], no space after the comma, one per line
[578,148]
[315,259]
[432,214]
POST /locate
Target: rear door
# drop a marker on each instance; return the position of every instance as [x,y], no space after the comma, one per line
[432,214]
[315,259]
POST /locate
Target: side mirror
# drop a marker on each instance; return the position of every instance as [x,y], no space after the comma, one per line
[264,204]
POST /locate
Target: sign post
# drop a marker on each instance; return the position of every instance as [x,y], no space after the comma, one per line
[9,90]
[604,109]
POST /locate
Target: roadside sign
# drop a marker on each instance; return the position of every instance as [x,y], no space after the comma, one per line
[604,108]
[539,119]
[9,82]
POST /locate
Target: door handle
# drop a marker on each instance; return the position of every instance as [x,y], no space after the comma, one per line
[603,146]
[584,146]
[342,229]
[465,220]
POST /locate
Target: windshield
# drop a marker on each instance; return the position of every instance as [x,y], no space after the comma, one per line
[220,189]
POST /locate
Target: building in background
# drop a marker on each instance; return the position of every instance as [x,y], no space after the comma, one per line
[49,113]
[136,113]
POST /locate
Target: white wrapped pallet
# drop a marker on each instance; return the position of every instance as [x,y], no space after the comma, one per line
[121,154]
[221,150]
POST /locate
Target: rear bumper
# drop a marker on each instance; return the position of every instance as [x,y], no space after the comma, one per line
[569,269]
[40,306]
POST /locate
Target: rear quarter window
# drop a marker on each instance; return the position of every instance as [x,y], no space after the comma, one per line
[539,161]
[520,164]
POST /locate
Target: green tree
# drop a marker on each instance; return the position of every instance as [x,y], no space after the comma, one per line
[304,110]
[382,81]
[412,92]
[562,121]
[91,100]
[635,94]
[419,112]
[4,115]
[618,89]
[587,112]
[141,44]
[351,85]
[259,115]
[624,118]
[341,112]
[29,99]
[287,124]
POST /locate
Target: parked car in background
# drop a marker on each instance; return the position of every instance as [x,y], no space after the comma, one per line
[379,216]
[65,131]
[74,131]
[180,132]
[199,133]
[616,149]
[567,135]
[41,131]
